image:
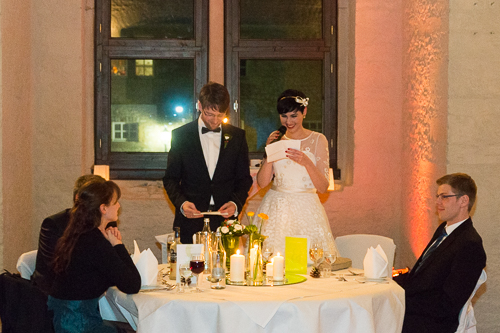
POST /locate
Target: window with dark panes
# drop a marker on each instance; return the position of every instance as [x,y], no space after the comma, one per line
[276,45]
[151,60]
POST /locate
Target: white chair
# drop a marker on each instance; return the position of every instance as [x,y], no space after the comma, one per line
[26,264]
[354,247]
[467,320]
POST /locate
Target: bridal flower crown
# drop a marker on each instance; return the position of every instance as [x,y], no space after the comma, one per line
[302,101]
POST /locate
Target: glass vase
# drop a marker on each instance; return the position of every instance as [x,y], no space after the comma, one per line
[231,244]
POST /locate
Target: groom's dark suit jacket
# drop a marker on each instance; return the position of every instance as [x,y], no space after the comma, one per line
[187,177]
[437,291]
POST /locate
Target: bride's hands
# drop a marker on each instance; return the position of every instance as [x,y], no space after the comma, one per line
[298,156]
[273,136]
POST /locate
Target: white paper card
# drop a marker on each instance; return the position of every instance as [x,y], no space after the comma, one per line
[276,151]
[184,253]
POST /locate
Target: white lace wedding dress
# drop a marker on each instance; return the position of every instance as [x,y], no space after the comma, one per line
[292,204]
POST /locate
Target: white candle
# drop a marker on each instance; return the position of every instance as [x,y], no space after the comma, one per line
[278,267]
[269,269]
[237,270]
[252,259]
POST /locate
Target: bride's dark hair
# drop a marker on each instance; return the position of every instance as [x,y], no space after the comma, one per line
[85,216]
[286,101]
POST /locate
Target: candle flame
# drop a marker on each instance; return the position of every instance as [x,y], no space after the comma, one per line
[255,246]
[237,252]
[278,254]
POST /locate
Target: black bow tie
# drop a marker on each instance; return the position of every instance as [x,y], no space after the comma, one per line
[206,130]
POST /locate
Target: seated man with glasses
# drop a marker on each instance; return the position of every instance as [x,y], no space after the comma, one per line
[446,273]
[208,168]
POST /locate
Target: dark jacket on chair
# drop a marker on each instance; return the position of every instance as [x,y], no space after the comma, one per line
[23,307]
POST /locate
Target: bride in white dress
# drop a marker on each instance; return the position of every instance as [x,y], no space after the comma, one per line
[292,204]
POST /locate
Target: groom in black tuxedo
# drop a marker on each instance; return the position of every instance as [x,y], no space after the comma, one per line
[208,166]
[446,273]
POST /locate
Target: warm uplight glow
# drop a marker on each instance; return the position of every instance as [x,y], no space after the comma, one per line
[425,67]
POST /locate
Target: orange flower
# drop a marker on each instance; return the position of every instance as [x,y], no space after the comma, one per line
[263,216]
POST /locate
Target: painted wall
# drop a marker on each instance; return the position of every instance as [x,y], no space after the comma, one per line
[473,131]
[17,163]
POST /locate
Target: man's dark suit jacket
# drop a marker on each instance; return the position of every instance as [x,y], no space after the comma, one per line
[437,291]
[52,229]
[187,177]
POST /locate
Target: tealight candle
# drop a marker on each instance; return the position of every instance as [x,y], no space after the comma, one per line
[278,267]
[237,270]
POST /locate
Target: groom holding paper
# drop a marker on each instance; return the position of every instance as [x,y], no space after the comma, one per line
[208,166]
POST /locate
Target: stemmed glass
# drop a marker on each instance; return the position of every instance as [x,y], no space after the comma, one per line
[197,265]
[316,253]
[330,257]
[267,252]
[185,272]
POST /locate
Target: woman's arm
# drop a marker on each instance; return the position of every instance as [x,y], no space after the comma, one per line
[265,174]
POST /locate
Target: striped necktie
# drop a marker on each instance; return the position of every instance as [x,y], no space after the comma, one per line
[433,247]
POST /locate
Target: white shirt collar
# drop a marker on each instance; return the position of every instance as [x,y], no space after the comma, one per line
[450,228]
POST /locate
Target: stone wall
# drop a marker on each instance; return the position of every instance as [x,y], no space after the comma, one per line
[473,131]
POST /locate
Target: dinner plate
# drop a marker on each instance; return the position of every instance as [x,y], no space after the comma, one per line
[366,279]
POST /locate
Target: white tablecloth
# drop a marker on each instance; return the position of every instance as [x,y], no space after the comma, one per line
[317,305]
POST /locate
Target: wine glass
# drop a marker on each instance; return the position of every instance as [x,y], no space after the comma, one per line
[330,257]
[197,265]
[267,252]
[316,253]
[185,272]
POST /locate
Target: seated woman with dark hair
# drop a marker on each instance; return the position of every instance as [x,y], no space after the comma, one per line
[88,260]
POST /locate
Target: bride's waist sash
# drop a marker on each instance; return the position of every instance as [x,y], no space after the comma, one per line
[292,189]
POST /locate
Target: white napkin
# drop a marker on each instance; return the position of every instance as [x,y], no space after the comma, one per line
[375,263]
[146,264]
[162,239]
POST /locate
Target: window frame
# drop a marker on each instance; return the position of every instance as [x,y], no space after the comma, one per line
[324,49]
[134,165]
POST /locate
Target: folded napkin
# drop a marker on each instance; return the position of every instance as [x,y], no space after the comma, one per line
[375,263]
[146,264]
[162,239]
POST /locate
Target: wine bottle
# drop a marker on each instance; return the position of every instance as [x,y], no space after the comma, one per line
[218,272]
[206,235]
[173,254]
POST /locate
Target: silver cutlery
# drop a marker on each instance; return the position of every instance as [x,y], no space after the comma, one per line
[355,274]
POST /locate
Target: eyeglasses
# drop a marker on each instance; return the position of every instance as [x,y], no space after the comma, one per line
[445,196]
[217,115]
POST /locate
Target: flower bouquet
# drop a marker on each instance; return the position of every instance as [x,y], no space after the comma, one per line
[254,232]
[231,231]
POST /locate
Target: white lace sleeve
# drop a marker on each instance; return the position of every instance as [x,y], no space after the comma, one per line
[322,155]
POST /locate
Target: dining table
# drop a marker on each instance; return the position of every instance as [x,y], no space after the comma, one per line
[340,303]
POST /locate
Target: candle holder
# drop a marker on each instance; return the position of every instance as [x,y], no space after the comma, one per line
[255,275]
